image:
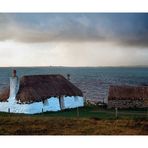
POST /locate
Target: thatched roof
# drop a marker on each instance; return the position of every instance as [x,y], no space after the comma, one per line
[128,92]
[4,94]
[36,88]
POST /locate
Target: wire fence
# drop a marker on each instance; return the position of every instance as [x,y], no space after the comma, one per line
[117,113]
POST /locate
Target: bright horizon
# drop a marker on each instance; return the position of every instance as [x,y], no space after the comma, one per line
[122,66]
[73,39]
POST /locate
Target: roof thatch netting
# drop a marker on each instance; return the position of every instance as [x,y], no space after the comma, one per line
[128,92]
[36,88]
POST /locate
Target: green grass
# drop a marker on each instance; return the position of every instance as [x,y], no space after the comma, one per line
[96,112]
[92,112]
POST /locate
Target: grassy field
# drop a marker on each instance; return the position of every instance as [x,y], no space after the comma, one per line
[96,112]
[91,121]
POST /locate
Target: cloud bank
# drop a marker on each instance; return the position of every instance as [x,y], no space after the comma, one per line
[121,29]
[73,39]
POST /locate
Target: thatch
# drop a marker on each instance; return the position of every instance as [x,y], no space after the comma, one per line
[128,92]
[37,88]
[4,94]
[40,87]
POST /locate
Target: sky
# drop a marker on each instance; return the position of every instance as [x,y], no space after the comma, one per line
[73,39]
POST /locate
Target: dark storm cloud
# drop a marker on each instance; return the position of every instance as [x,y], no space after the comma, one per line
[123,29]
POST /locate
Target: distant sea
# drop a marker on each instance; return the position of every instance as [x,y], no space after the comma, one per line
[93,81]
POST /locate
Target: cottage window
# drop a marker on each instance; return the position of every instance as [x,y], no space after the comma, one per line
[45,102]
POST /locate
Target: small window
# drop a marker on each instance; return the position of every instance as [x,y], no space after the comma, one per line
[45,102]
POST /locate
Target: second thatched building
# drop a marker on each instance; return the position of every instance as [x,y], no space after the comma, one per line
[128,97]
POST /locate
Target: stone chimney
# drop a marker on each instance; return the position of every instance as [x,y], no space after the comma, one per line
[14,84]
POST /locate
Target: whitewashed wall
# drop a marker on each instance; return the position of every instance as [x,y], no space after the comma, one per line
[52,104]
[73,102]
[37,107]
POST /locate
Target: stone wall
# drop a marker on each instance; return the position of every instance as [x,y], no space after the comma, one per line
[128,103]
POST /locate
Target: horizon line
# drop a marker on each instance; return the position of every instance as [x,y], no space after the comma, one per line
[74,66]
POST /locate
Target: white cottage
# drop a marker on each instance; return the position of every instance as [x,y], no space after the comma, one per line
[40,93]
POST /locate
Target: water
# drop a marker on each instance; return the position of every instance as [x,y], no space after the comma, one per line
[94,82]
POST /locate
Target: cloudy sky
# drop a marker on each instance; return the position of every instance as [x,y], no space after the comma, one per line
[73,39]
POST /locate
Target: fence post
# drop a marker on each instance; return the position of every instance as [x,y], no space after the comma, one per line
[147,114]
[8,110]
[42,110]
[77,111]
[116,114]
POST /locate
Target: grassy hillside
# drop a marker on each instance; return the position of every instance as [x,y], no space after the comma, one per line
[91,121]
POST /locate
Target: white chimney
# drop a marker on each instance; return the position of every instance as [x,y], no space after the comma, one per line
[14,84]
